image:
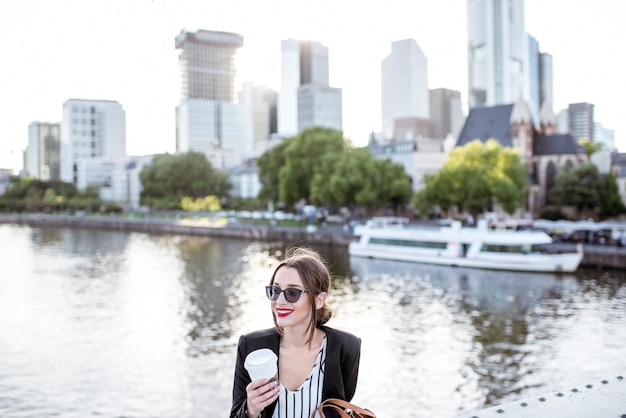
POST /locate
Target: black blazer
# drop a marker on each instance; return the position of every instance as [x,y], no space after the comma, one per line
[340,376]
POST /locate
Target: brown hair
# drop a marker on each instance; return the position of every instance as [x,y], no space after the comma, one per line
[315,279]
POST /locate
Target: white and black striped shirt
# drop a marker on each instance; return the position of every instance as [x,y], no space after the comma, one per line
[302,402]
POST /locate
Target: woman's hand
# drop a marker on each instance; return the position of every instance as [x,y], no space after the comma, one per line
[261,393]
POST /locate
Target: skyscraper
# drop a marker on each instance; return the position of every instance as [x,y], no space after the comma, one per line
[208,120]
[404,85]
[446,112]
[306,98]
[42,159]
[207,62]
[91,129]
[534,77]
[497,63]
[581,123]
[546,79]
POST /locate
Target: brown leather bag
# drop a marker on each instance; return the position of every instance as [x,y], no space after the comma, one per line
[343,408]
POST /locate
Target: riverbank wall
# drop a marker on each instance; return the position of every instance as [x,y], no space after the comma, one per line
[248,231]
[595,256]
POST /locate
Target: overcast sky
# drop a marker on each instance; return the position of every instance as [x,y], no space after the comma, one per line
[123,50]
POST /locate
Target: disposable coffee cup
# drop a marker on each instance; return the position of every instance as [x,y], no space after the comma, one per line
[262,364]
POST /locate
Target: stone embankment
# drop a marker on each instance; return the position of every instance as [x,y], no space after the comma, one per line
[598,256]
[249,231]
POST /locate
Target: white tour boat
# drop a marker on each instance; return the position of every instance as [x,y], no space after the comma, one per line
[390,238]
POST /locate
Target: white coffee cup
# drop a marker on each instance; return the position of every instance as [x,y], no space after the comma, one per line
[262,364]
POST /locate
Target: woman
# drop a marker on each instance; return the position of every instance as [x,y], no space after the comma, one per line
[315,362]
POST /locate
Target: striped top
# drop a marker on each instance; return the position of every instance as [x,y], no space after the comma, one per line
[302,402]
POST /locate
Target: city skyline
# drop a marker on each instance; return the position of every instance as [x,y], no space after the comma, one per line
[124,51]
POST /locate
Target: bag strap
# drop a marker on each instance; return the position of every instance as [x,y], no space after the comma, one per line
[343,408]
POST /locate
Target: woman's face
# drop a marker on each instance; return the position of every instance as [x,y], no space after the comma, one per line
[291,314]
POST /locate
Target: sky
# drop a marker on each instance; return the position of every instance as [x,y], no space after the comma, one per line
[123,50]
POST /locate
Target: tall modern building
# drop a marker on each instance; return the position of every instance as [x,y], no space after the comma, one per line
[208,119]
[546,86]
[446,113]
[534,77]
[581,123]
[497,62]
[404,85]
[90,130]
[306,98]
[43,154]
[262,102]
[604,136]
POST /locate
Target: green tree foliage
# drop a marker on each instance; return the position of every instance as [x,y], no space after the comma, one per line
[20,187]
[579,187]
[589,146]
[320,166]
[172,177]
[52,196]
[475,178]
[269,165]
[611,202]
[304,158]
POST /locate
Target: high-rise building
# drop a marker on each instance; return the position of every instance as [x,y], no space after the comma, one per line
[534,78]
[404,85]
[261,102]
[207,63]
[446,112]
[546,79]
[604,136]
[497,62]
[91,129]
[306,98]
[581,123]
[43,154]
[208,119]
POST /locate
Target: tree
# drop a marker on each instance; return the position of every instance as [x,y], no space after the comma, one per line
[209,203]
[475,178]
[172,177]
[304,159]
[269,165]
[611,202]
[579,187]
[589,146]
[392,184]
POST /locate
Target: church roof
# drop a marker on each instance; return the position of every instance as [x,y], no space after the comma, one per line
[556,144]
[487,122]
[495,122]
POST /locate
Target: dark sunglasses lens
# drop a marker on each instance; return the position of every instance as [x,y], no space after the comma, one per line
[271,292]
[292,295]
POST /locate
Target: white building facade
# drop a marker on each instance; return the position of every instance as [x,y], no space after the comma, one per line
[404,85]
[90,130]
[306,98]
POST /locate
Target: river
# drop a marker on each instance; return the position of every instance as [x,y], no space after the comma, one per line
[116,324]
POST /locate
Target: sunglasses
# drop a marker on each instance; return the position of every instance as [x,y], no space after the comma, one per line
[291,293]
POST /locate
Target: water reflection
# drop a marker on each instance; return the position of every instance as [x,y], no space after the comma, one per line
[127,324]
[506,328]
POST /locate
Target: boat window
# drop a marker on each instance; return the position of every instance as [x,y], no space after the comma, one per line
[408,243]
[519,249]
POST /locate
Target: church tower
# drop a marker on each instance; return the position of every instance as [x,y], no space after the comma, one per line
[522,130]
[547,119]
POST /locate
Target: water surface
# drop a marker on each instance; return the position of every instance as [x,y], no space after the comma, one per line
[116,324]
